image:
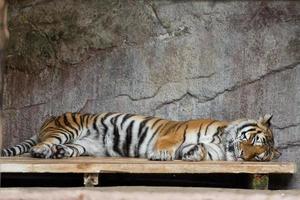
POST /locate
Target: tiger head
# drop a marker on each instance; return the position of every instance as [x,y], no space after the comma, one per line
[251,140]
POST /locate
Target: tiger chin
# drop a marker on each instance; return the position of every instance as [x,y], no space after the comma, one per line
[131,135]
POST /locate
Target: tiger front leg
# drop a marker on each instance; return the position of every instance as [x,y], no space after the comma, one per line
[195,152]
[164,150]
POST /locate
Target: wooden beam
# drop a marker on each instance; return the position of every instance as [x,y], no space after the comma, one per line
[132,165]
[4,34]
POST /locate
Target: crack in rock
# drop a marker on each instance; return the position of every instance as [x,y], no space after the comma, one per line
[172,101]
[289,144]
[153,9]
[286,127]
[242,84]
[160,87]
[234,87]
[141,98]
[24,107]
[201,76]
[217,94]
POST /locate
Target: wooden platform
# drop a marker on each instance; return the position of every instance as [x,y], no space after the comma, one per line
[92,166]
[146,193]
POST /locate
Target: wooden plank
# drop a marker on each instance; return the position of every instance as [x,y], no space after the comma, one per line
[134,165]
[145,193]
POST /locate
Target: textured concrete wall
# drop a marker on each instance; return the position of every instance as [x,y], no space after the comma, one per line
[174,59]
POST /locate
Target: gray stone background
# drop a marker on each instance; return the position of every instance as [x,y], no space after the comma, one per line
[173,59]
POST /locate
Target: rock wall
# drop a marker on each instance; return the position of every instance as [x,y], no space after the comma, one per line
[174,59]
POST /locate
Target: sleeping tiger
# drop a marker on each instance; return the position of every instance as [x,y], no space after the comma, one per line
[130,135]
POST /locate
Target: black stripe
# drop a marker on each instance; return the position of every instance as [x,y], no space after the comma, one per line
[23,147]
[244,132]
[4,152]
[179,126]
[31,141]
[58,124]
[246,125]
[72,151]
[81,121]
[27,145]
[95,127]
[141,135]
[83,148]
[116,134]
[105,131]
[13,151]
[85,120]
[155,123]
[48,121]
[75,121]
[199,133]
[213,149]
[64,133]
[153,137]
[167,131]
[184,138]
[58,138]
[48,145]
[140,141]
[88,133]
[206,129]
[67,123]
[127,143]
[209,155]
[216,134]
[67,135]
[76,149]
[127,116]
[142,124]
[19,148]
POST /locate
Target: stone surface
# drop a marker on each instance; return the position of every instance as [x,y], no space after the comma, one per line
[174,59]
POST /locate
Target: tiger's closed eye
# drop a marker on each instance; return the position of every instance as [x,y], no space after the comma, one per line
[243,136]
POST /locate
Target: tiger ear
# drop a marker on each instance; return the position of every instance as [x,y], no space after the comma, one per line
[266,120]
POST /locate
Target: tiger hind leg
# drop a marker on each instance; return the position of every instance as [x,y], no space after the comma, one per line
[44,148]
[67,150]
[194,152]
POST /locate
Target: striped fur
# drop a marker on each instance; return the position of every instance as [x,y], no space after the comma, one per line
[130,135]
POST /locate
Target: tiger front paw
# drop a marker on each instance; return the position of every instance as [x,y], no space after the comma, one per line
[194,153]
[41,151]
[60,151]
[162,155]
